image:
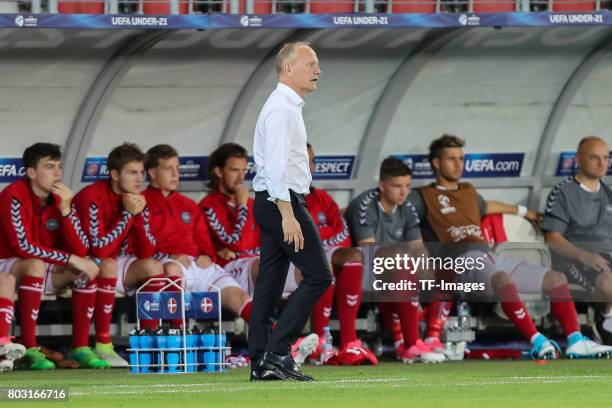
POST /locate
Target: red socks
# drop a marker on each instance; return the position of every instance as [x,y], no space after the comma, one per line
[105,300]
[30,293]
[245,310]
[83,304]
[408,314]
[390,321]
[437,313]
[322,311]
[562,307]
[348,300]
[516,311]
[6,316]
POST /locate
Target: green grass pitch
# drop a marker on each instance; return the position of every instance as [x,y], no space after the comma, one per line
[519,384]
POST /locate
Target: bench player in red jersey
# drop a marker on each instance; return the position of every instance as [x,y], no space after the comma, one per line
[116,220]
[43,246]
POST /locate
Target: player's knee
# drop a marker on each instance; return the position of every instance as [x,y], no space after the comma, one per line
[7,280]
[555,278]
[151,267]
[604,284]
[172,269]
[35,267]
[108,268]
[500,279]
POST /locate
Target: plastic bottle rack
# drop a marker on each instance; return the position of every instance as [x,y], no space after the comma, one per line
[178,353]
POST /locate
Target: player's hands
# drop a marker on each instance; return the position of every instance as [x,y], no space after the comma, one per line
[242,194]
[133,203]
[203,261]
[84,265]
[534,217]
[65,195]
[595,261]
[182,259]
[226,254]
[292,233]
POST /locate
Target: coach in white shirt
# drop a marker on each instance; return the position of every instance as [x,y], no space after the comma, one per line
[288,233]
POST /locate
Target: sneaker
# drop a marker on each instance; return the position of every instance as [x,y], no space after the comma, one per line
[6,365]
[34,359]
[603,326]
[436,345]
[107,353]
[237,361]
[421,352]
[355,353]
[304,347]
[543,348]
[87,358]
[9,350]
[580,346]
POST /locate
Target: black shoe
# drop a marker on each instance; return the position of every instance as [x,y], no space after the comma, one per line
[260,374]
[284,365]
[605,336]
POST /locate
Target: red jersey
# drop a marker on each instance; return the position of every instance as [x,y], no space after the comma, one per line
[31,228]
[178,225]
[326,215]
[232,227]
[111,229]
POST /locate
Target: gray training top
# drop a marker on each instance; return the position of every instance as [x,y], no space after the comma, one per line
[367,219]
[580,215]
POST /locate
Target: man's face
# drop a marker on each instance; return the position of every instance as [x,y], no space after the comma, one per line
[232,174]
[304,71]
[593,159]
[450,164]
[131,177]
[311,160]
[166,175]
[46,173]
[395,189]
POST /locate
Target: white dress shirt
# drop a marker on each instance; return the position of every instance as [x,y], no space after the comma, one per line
[279,148]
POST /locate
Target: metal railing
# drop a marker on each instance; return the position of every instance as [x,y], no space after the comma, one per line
[297,6]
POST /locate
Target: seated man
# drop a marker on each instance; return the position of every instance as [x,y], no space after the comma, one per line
[43,246]
[451,212]
[116,220]
[578,227]
[345,262]
[383,216]
[183,239]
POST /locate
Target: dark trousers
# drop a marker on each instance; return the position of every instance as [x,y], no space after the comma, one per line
[273,267]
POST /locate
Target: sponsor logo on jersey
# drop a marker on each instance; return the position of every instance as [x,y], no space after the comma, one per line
[186,217]
[444,201]
[52,224]
[460,233]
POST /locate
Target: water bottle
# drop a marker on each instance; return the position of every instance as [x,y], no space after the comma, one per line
[463,316]
[326,347]
[134,357]
[83,279]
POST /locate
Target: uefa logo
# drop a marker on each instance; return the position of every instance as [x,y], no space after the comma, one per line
[19,21]
[147,306]
[244,20]
[463,19]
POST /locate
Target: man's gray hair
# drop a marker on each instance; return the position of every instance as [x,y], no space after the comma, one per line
[287,54]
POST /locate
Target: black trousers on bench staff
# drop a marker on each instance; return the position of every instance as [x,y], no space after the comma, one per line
[275,256]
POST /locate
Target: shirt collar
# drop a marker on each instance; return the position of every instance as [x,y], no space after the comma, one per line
[383,208]
[293,96]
